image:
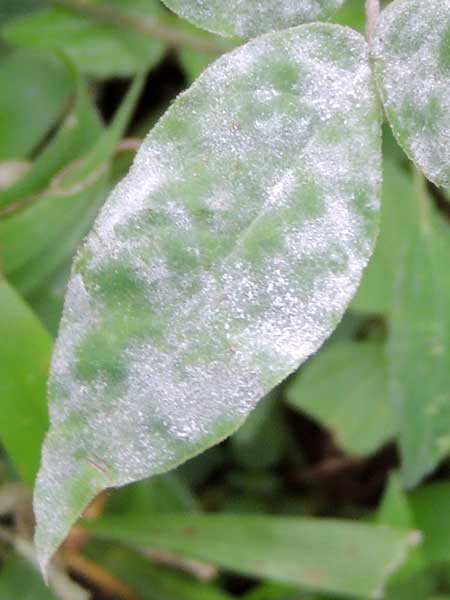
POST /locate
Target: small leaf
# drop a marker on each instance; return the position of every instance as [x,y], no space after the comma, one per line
[418,344]
[95,47]
[378,287]
[315,554]
[80,129]
[20,581]
[249,443]
[344,387]
[430,508]
[249,18]
[224,259]
[412,67]
[150,581]
[395,511]
[34,90]
[24,362]
[33,252]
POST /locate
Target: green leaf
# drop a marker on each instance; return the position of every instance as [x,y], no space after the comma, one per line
[12,8]
[40,240]
[429,505]
[80,129]
[352,14]
[34,92]
[313,554]
[249,443]
[19,581]
[412,66]
[162,494]
[395,511]
[249,18]
[224,259]
[277,591]
[344,387]
[97,48]
[418,344]
[149,581]
[378,287]
[24,362]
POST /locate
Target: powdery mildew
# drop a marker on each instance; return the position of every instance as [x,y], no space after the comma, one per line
[220,263]
[412,52]
[249,18]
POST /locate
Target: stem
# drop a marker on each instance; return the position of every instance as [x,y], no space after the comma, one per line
[373,14]
[147,26]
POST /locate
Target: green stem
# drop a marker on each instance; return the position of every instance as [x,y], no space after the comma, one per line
[147,26]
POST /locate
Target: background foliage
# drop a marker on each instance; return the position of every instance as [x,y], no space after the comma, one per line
[324,490]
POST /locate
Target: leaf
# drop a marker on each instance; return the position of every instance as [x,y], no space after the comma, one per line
[162,494]
[24,362]
[12,8]
[18,580]
[429,505]
[352,14]
[395,511]
[97,48]
[41,239]
[378,287]
[249,18]
[76,135]
[412,67]
[418,344]
[224,259]
[149,581]
[276,591]
[249,443]
[345,388]
[315,554]
[34,92]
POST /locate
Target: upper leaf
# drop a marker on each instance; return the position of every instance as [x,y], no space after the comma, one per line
[223,260]
[412,58]
[249,18]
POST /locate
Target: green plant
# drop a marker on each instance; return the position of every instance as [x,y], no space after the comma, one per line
[217,266]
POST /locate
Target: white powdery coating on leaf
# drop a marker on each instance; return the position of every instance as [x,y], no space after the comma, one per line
[412,52]
[244,225]
[249,18]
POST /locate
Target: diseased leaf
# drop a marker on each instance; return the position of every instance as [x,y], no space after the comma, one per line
[97,48]
[25,351]
[315,554]
[418,344]
[344,387]
[249,18]
[412,66]
[224,259]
